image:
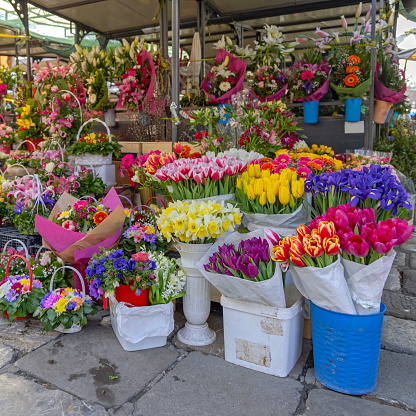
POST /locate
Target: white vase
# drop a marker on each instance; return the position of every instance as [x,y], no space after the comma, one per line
[192,253]
[196,306]
[110,117]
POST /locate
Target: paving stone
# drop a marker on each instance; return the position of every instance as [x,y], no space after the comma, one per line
[393,280]
[92,365]
[408,247]
[6,354]
[205,385]
[20,397]
[400,306]
[99,315]
[328,403]
[304,355]
[409,282]
[25,334]
[399,335]
[126,410]
[311,379]
[396,379]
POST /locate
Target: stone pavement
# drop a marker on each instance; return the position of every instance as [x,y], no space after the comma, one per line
[89,373]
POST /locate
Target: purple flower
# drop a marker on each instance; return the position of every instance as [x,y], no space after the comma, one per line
[116,254]
[37,284]
[150,238]
[119,263]
[70,305]
[12,295]
[131,265]
[90,272]
[99,269]
[18,208]
[151,265]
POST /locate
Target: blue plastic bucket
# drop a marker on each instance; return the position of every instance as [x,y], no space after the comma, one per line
[310,112]
[394,118]
[346,349]
[353,109]
[225,116]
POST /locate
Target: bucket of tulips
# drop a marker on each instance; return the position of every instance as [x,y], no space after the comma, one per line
[20,295]
[271,200]
[65,309]
[241,267]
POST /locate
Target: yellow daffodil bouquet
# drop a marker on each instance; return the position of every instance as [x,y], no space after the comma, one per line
[197,222]
[261,192]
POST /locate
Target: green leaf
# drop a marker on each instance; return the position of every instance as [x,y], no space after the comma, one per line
[51,314]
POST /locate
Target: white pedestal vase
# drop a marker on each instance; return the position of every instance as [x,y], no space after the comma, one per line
[197,300]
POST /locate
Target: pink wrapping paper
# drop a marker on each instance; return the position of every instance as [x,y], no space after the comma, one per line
[274,97]
[383,93]
[234,64]
[319,93]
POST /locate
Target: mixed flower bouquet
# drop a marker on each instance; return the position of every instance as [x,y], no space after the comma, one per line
[138,82]
[225,78]
[19,295]
[29,120]
[7,136]
[201,178]
[308,78]
[266,127]
[374,187]
[66,307]
[262,192]
[170,281]
[95,144]
[110,269]
[250,260]
[269,83]
[82,216]
[197,222]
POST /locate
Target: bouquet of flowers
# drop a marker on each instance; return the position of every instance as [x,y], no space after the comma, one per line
[95,144]
[197,222]
[138,82]
[374,187]
[8,77]
[170,281]
[109,269]
[269,83]
[97,91]
[7,138]
[64,307]
[89,183]
[239,154]
[184,151]
[266,127]
[86,62]
[309,78]
[352,75]
[225,78]
[141,234]
[19,295]
[29,120]
[82,216]
[201,178]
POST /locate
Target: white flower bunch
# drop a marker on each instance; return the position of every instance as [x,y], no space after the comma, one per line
[239,154]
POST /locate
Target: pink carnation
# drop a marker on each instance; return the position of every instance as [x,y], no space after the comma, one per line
[306,75]
[79,204]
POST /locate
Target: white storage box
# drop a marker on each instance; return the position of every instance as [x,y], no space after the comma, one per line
[264,338]
[141,328]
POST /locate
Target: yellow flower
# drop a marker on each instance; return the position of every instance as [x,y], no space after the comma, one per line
[179,224]
[226,225]
[150,230]
[212,227]
[284,195]
[263,199]
[258,187]
[60,305]
[202,232]
[64,214]
[127,212]
[192,227]
[237,219]
[271,196]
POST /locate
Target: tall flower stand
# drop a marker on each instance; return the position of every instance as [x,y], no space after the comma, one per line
[197,300]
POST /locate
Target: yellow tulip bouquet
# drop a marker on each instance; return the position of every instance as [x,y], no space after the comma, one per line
[262,192]
[197,222]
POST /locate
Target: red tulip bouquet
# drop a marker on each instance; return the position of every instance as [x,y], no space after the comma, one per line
[366,250]
[241,267]
[315,266]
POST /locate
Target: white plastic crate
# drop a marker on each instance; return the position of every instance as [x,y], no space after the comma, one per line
[264,338]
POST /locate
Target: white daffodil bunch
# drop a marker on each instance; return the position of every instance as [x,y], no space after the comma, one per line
[198,222]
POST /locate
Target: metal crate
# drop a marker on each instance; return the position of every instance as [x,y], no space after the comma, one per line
[11,233]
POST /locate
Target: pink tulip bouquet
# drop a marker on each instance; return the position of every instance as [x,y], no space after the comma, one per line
[201,178]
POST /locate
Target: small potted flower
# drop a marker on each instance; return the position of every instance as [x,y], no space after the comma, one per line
[19,295]
[65,310]
[7,138]
[114,274]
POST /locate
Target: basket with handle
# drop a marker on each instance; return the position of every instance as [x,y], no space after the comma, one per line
[60,148]
[18,170]
[53,177]
[3,252]
[69,92]
[94,160]
[15,256]
[75,327]
[158,199]
[34,143]
[85,164]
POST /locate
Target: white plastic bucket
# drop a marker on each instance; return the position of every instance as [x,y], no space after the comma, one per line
[264,338]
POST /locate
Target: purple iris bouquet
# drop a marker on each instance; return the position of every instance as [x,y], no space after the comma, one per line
[250,261]
[374,187]
[18,297]
[110,269]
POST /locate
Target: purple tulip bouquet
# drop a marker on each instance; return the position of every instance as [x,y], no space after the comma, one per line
[240,267]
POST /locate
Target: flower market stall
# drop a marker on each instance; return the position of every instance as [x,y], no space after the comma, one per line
[248,204]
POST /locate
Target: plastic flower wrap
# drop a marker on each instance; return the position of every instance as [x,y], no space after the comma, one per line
[109,269]
[201,178]
[170,281]
[197,222]
[374,187]
[260,191]
[65,306]
[250,260]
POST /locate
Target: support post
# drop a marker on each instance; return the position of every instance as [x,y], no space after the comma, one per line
[370,132]
[201,22]
[103,41]
[80,32]
[175,69]
[164,39]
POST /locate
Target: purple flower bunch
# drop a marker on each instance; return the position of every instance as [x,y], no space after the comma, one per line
[250,261]
[373,187]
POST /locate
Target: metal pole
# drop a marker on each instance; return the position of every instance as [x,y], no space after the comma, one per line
[396,16]
[201,18]
[370,132]
[164,40]
[175,68]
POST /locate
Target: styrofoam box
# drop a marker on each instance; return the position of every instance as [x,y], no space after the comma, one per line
[264,338]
